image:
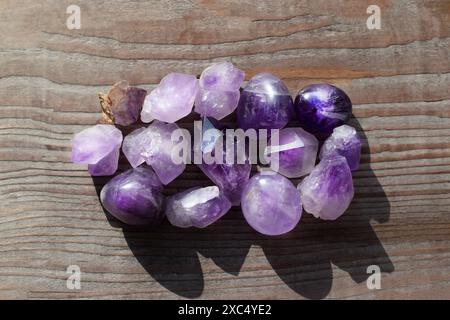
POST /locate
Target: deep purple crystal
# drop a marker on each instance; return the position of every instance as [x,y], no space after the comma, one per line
[265,103]
[322,107]
[328,190]
[197,207]
[229,177]
[271,204]
[343,141]
[134,197]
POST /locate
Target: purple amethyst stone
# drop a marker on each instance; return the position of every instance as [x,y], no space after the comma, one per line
[321,108]
[265,103]
[134,197]
[344,141]
[271,204]
[229,177]
[328,190]
[197,207]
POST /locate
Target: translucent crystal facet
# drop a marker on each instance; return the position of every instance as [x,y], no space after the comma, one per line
[328,190]
[172,99]
[197,207]
[295,153]
[229,177]
[98,146]
[343,141]
[218,95]
[271,204]
[154,146]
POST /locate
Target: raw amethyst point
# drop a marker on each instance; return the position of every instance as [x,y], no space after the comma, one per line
[343,141]
[328,190]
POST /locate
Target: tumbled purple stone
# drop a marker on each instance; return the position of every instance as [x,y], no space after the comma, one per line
[265,103]
[134,197]
[197,207]
[328,190]
[172,99]
[343,141]
[271,204]
[219,94]
[295,154]
[123,103]
[98,147]
[229,177]
[322,107]
[154,145]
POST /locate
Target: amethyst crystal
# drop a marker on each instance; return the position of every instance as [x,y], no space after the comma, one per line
[172,99]
[327,192]
[98,146]
[197,207]
[271,204]
[229,177]
[107,166]
[343,141]
[295,154]
[134,197]
[265,103]
[154,145]
[123,104]
[219,90]
[321,108]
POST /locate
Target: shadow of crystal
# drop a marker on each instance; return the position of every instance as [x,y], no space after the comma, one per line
[302,258]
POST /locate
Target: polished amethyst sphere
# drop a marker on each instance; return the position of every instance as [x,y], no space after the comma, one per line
[265,103]
[322,107]
[271,204]
[134,197]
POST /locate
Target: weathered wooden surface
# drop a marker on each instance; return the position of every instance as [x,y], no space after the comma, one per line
[398,77]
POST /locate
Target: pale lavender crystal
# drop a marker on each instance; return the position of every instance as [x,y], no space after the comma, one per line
[216,104]
[328,190]
[197,207]
[271,204]
[154,145]
[98,146]
[134,145]
[343,141]
[295,153]
[172,99]
[222,76]
[219,90]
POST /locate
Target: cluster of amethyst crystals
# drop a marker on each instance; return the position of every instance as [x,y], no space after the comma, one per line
[323,151]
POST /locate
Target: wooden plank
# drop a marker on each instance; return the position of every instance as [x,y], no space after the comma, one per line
[398,77]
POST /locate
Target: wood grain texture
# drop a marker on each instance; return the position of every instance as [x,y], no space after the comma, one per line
[398,78]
